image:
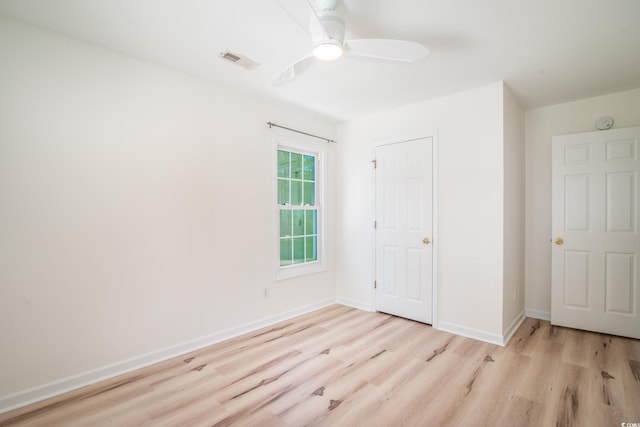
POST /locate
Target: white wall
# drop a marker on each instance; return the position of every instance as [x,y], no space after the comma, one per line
[513,263]
[470,236]
[137,209]
[541,125]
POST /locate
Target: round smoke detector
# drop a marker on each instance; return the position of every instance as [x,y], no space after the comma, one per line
[604,123]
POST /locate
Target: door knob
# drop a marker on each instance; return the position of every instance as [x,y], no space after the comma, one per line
[426,241]
[559,241]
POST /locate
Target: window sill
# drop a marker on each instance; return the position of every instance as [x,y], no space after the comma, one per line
[290,272]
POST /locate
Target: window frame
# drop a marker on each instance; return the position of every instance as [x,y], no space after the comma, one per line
[319,151]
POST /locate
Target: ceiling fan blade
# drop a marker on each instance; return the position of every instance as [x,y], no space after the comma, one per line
[294,70]
[391,50]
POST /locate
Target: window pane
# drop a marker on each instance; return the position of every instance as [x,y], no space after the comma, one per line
[285,251]
[298,212]
[296,193]
[285,223]
[283,192]
[309,168]
[298,223]
[311,244]
[311,222]
[298,250]
[309,194]
[296,166]
[283,164]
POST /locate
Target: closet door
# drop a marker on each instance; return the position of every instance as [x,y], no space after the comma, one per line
[404,229]
[596,245]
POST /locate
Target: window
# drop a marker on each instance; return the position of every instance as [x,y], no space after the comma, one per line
[299,216]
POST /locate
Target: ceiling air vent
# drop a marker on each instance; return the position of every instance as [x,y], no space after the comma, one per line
[238,59]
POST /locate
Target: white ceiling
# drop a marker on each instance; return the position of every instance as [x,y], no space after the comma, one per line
[547,51]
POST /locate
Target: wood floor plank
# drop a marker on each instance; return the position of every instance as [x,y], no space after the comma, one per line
[631,384]
[523,413]
[526,338]
[554,333]
[312,384]
[341,366]
[379,403]
[499,383]
[539,379]
[567,397]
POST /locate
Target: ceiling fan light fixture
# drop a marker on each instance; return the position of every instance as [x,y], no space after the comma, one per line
[327,51]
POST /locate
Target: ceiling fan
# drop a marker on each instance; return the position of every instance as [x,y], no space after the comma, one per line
[327,29]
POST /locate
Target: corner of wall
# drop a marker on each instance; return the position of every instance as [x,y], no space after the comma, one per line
[514,212]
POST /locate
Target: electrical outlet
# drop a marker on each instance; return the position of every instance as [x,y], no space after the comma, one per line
[265,293]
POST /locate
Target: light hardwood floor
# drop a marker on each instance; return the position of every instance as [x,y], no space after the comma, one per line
[344,367]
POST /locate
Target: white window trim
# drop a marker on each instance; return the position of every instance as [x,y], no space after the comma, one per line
[320,151]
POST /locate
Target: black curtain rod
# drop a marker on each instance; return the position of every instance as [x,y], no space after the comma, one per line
[298,131]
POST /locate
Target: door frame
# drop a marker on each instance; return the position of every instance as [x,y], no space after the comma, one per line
[434,195]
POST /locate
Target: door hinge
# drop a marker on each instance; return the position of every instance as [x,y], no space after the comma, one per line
[375,225]
[375,284]
[375,164]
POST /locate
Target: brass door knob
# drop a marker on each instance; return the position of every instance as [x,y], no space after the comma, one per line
[426,240]
[559,241]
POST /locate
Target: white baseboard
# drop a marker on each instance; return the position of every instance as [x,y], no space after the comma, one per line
[476,334]
[537,314]
[45,391]
[480,335]
[355,304]
[513,327]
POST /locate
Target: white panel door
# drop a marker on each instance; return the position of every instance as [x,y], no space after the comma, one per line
[404,223]
[596,245]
